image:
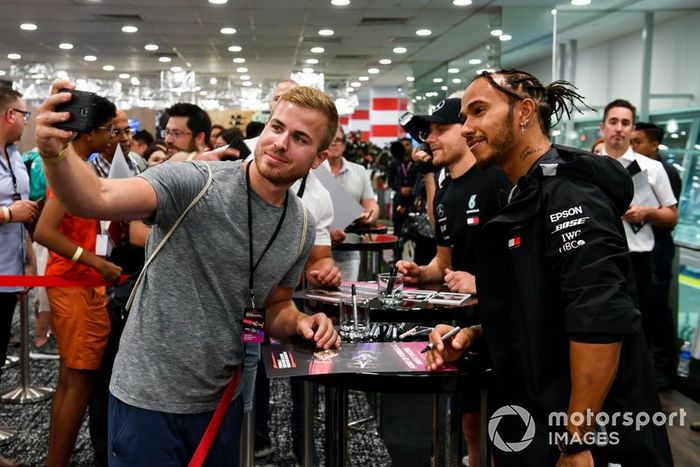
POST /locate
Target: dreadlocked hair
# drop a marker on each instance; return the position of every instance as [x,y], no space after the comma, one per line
[555,99]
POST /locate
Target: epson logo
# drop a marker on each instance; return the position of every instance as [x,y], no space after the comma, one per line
[565,213]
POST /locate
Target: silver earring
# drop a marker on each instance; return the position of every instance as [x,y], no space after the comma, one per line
[523,124]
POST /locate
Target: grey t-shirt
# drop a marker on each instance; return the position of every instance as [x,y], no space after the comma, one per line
[182,339]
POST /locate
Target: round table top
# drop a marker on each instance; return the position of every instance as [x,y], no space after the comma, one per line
[362,229]
[373,243]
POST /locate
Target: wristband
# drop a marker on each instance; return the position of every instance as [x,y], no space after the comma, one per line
[9,214]
[5,214]
[76,255]
[62,154]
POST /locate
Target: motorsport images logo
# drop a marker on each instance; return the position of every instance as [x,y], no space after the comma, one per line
[507,411]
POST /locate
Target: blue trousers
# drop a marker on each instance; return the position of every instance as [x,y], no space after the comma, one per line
[140,437]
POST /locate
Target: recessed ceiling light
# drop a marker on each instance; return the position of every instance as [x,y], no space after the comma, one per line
[346,89]
[89,58]
[326,32]
[129,29]
[400,50]
[385,61]
[165,59]
[234,48]
[410,79]
[14,56]
[456,80]
[496,32]
[340,2]
[241,69]
[355,84]
[311,61]
[317,50]
[151,47]
[363,78]
[244,77]
[218,2]
[423,32]
[213,80]
[453,70]
[580,2]
[474,61]
[307,70]
[123,75]
[3,72]
[108,68]
[246,83]
[203,93]
[437,80]
[28,27]
[239,60]
[176,69]
[461,2]
[228,31]
[505,37]
[135,81]
[373,71]
[444,88]
[65,45]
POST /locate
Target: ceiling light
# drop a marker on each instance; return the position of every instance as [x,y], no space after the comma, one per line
[326,32]
[245,77]
[151,47]
[346,89]
[175,69]
[423,32]
[400,50]
[14,56]
[234,48]
[307,70]
[496,32]
[461,2]
[241,69]
[228,31]
[247,83]
[363,78]
[373,71]
[123,75]
[65,46]
[203,93]
[2,73]
[580,2]
[355,84]
[385,61]
[89,58]
[218,2]
[311,61]
[340,2]
[165,59]
[135,81]
[437,80]
[410,79]
[317,50]
[505,37]
[28,27]
[456,80]
[453,70]
[108,68]
[239,60]
[129,29]
[554,12]
[443,88]
[212,80]
[474,61]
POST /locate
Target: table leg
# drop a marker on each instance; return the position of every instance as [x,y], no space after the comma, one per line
[485,451]
[336,427]
[308,425]
[446,421]
[248,439]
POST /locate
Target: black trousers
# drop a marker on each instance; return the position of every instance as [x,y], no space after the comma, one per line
[7,310]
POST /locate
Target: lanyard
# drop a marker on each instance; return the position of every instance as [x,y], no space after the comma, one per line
[15,194]
[254,266]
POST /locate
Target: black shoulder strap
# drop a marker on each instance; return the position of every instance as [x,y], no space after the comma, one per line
[302,187]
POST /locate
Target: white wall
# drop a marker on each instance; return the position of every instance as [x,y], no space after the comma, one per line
[612,69]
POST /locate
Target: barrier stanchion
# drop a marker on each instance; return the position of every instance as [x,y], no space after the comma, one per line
[6,434]
[10,361]
[25,393]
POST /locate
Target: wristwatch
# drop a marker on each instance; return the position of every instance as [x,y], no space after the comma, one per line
[568,444]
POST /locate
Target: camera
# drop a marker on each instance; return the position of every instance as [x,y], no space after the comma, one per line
[82,111]
[425,167]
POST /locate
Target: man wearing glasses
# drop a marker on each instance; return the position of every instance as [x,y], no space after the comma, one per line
[187,130]
[121,135]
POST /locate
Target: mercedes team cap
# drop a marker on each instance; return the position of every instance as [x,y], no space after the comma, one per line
[446,112]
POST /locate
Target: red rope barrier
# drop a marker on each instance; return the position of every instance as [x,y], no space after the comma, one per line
[54,281]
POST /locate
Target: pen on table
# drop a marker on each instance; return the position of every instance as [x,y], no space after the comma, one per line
[451,333]
[410,332]
[390,282]
[354,306]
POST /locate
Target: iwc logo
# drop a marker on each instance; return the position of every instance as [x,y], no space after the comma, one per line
[472,201]
[515,446]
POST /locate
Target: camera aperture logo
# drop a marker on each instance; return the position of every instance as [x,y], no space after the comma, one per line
[511,446]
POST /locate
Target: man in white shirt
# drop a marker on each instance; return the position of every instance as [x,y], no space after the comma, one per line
[617,128]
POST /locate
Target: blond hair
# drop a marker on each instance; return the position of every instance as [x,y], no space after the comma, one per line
[315,99]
